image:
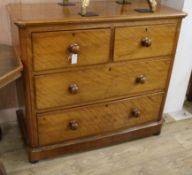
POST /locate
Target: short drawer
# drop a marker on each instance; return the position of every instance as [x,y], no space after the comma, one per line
[87,85]
[52,50]
[144,41]
[100,119]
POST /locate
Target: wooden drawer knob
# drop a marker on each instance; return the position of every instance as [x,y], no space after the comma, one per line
[73,125]
[74,48]
[73,88]
[135,113]
[141,79]
[146,42]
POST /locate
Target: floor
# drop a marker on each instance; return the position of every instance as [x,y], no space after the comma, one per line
[185,113]
[167,154]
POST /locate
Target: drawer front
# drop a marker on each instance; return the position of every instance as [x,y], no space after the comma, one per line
[84,86]
[144,41]
[101,119]
[52,50]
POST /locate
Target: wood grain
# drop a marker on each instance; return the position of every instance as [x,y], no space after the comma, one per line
[10,65]
[97,120]
[52,13]
[128,41]
[101,83]
[59,89]
[51,49]
[24,42]
[169,154]
[9,96]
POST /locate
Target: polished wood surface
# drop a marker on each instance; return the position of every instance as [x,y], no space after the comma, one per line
[9,95]
[100,83]
[52,13]
[51,50]
[55,91]
[97,120]
[169,154]
[8,61]
[79,145]
[144,41]
[10,70]
[10,66]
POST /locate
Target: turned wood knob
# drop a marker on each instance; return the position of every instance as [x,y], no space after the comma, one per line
[73,125]
[74,48]
[73,88]
[141,79]
[135,113]
[146,42]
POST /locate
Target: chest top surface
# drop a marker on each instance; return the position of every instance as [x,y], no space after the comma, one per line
[108,11]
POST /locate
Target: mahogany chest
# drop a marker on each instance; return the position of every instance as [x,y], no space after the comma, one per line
[90,82]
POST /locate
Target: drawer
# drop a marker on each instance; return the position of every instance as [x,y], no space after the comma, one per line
[144,41]
[52,50]
[99,119]
[87,85]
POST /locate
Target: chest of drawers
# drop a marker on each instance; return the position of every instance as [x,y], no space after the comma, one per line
[116,90]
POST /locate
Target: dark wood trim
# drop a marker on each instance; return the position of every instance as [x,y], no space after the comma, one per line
[113,19]
[0,134]
[36,154]
[79,145]
[189,91]
[22,125]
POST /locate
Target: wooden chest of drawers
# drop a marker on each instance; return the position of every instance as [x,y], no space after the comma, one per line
[116,90]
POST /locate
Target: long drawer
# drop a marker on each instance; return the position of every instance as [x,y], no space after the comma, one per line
[83,86]
[52,50]
[82,122]
[144,41]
